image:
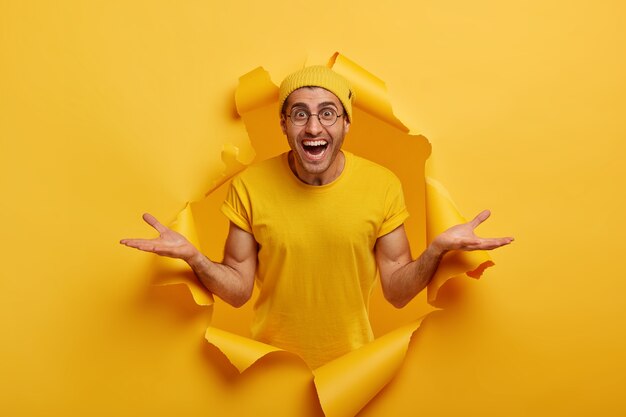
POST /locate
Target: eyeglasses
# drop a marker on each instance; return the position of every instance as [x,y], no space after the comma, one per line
[327,116]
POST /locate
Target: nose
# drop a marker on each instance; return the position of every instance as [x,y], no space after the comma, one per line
[313,125]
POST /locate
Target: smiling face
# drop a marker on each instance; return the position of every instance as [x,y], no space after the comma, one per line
[316,156]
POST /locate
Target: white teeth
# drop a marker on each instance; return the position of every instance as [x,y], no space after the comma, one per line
[314,142]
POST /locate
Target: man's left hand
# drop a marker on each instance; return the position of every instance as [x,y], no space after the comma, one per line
[462,237]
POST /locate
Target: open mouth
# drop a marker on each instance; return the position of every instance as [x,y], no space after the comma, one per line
[315,149]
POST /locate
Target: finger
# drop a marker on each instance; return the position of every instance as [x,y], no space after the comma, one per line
[467,243]
[147,245]
[152,221]
[481,217]
[492,243]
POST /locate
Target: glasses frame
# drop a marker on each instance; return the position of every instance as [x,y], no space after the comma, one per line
[316,115]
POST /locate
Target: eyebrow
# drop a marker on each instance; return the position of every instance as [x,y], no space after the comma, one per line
[319,106]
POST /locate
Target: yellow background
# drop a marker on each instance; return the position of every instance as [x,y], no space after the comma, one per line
[109,109]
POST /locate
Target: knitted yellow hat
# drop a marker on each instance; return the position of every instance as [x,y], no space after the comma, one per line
[318,76]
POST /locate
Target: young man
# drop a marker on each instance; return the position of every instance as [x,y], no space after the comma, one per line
[315,226]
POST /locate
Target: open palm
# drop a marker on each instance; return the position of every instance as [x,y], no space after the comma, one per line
[462,237]
[169,243]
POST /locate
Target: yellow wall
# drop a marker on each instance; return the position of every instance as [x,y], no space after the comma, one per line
[109,109]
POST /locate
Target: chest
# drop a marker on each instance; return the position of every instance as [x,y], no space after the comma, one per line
[301,222]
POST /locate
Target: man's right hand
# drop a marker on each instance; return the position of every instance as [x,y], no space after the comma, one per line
[232,280]
[169,243]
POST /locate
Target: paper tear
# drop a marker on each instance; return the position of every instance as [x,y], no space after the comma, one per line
[347,384]
[361,374]
[232,166]
[441,214]
[371,92]
[242,352]
[171,271]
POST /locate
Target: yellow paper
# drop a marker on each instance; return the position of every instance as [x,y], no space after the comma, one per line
[347,384]
[442,213]
[110,109]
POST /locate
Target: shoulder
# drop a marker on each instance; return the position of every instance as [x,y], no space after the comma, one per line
[367,168]
[272,169]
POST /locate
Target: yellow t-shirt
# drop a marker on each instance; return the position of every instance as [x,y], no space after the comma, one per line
[316,265]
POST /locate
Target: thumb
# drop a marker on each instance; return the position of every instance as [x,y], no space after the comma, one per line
[481,217]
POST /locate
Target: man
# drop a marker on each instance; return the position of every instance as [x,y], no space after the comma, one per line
[315,226]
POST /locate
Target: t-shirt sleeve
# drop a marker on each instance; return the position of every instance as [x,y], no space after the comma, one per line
[395,208]
[236,206]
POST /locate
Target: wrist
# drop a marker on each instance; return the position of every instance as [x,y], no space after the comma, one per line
[436,249]
[195,259]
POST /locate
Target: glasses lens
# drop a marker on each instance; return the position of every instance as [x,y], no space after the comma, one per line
[327,117]
[299,117]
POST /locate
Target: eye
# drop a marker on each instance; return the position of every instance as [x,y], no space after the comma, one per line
[299,114]
[328,114]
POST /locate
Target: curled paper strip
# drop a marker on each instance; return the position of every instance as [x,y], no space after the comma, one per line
[442,213]
[348,383]
[370,91]
[171,271]
[345,385]
[241,351]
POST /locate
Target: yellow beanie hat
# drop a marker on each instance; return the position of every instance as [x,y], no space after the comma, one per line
[318,76]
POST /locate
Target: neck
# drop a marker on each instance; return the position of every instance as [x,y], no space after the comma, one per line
[331,174]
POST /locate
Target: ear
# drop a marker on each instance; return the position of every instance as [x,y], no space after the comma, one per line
[283,124]
[346,125]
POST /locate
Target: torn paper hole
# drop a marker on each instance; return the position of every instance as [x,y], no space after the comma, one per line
[347,384]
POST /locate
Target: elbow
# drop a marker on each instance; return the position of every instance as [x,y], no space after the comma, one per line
[237,302]
[241,298]
[398,303]
[396,300]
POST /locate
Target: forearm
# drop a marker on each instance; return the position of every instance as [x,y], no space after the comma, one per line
[221,279]
[408,280]
[402,279]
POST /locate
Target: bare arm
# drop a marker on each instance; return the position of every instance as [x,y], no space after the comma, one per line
[403,278]
[232,280]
